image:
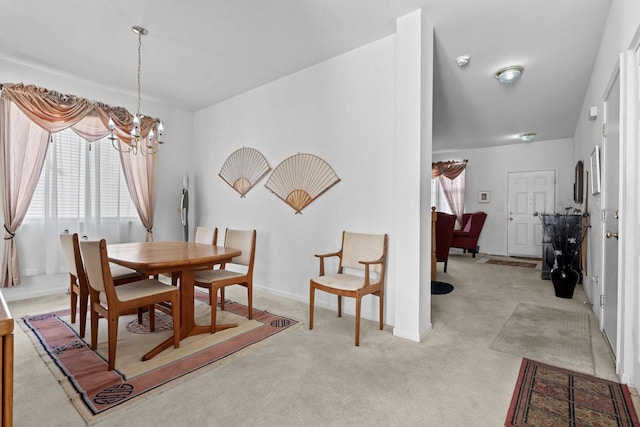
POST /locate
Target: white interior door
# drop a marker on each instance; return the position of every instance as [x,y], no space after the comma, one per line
[528,192]
[610,197]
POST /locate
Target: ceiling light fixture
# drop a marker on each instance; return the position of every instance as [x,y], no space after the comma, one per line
[510,74]
[527,137]
[139,144]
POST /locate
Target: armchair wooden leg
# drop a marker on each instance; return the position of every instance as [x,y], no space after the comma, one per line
[445,266]
[339,305]
[358,304]
[73,302]
[94,328]
[214,309]
[221,298]
[250,300]
[84,302]
[312,294]
[113,339]
[381,298]
[175,309]
[152,318]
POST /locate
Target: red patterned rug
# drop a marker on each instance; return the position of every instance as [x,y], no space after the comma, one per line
[96,392]
[550,396]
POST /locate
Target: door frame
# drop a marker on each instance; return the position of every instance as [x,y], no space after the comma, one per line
[628,361]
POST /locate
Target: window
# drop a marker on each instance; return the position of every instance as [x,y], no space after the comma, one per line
[438,198]
[81,181]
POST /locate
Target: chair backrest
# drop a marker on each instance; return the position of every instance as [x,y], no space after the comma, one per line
[472,223]
[444,234]
[477,221]
[245,241]
[96,264]
[71,252]
[206,235]
[358,247]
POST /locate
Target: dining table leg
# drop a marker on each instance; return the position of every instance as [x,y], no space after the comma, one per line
[188,326]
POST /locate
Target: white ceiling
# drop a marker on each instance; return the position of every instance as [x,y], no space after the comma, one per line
[200,52]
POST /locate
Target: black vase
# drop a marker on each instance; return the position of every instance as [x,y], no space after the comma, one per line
[564,279]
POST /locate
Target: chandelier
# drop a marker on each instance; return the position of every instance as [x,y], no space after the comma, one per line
[144,145]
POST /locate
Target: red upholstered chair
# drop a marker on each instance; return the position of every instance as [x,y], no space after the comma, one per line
[467,237]
[445,224]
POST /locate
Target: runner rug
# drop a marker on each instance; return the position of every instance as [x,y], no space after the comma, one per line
[549,396]
[97,392]
[512,261]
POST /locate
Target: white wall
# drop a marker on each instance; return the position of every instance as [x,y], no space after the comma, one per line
[174,155]
[488,169]
[622,24]
[340,110]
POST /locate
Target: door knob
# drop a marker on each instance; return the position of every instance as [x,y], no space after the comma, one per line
[610,235]
[510,218]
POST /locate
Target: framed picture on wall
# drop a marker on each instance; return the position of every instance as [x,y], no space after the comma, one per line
[595,170]
[484,196]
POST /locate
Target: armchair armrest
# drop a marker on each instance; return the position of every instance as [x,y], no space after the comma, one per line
[323,256]
[367,264]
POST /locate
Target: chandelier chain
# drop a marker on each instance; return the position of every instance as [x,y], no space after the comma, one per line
[139,68]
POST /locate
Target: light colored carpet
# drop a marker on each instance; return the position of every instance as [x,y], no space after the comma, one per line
[557,337]
[319,378]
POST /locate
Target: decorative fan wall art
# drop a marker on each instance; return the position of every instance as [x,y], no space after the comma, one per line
[243,168]
[300,179]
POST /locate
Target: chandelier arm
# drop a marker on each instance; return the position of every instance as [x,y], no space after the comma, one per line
[117,147]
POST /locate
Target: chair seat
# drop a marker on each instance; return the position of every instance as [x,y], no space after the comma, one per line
[210,276]
[141,289]
[118,271]
[345,282]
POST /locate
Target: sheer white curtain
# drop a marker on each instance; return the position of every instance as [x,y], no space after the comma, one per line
[81,189]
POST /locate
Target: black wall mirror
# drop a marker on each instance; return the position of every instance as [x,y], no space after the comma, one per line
[578,185]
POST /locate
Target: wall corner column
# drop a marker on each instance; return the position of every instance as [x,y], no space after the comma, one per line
[412,166]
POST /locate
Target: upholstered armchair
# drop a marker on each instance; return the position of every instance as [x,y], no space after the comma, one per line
[445,225]
[467,237]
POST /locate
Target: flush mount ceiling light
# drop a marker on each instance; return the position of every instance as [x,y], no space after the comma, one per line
[527,137]
[510,74]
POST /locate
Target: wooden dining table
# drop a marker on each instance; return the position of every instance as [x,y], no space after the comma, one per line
[180,259]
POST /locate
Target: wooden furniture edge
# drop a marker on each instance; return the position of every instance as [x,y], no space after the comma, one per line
[6,362]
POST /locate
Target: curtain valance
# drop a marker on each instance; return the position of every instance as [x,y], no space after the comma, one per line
[450,169]
[54,112]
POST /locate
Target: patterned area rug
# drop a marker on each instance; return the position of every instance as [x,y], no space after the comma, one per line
[550,396]
[96,392]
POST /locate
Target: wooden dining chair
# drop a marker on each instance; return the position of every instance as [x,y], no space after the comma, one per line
[78,287]
[121,299]
[204,235]
[213,280]
[366,253]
